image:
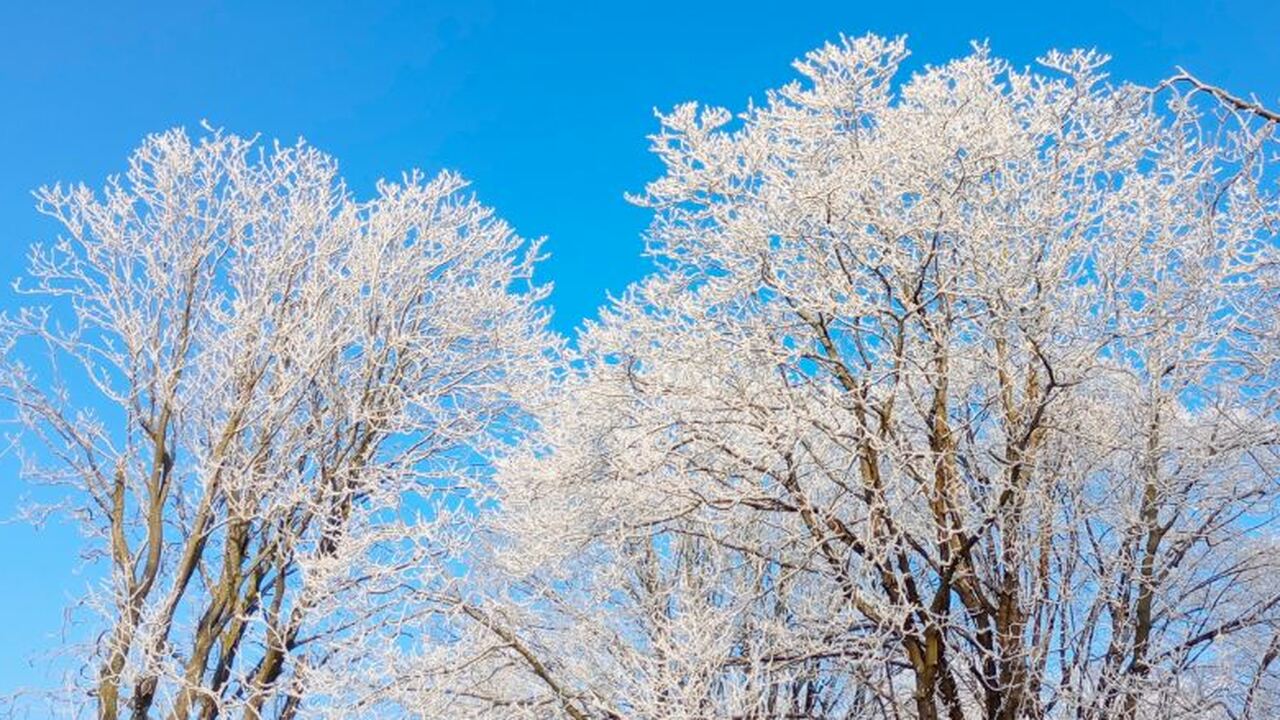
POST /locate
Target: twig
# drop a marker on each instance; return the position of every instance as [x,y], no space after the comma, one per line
[1223,96]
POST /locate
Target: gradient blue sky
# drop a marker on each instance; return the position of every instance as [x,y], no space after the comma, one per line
[544,106]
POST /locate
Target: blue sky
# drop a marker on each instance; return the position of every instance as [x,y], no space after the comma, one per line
[544,106]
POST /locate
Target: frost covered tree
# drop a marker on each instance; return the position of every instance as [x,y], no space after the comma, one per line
[953,397]
[268,403]
[950,398]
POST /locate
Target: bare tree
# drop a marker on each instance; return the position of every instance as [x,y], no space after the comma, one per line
[952,399]
[270,403]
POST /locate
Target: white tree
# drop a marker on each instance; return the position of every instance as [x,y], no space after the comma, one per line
[956,399]
[272,405]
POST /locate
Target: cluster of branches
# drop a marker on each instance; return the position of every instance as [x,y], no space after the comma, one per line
[273,402]
[955,398]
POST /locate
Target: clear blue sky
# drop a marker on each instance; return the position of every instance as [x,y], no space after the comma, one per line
[545,106]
